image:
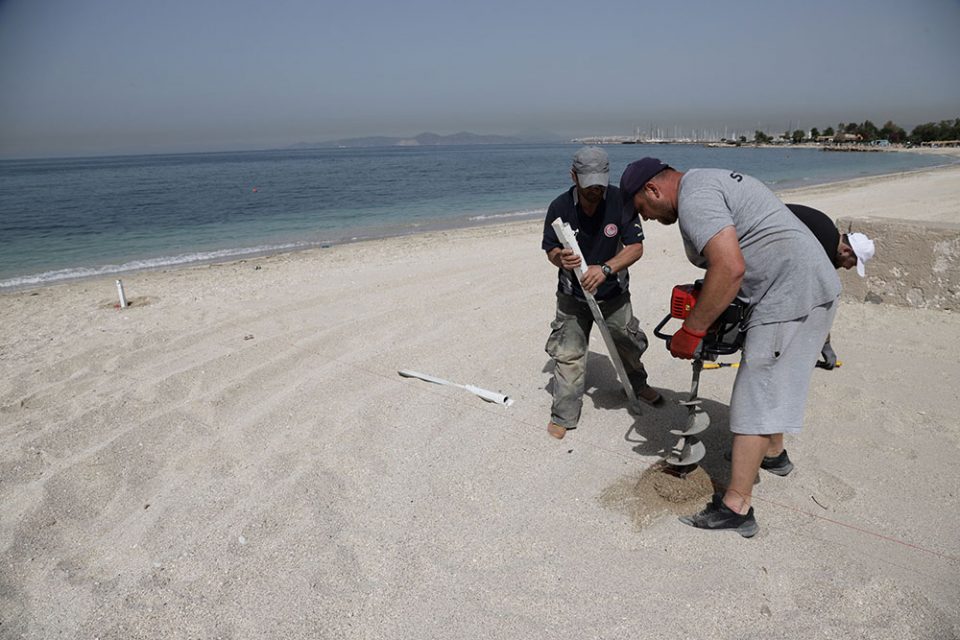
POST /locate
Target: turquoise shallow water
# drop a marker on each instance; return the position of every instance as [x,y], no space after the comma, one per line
[69,218]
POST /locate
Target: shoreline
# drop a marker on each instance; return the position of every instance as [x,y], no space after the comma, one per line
[241,254]
[865,181]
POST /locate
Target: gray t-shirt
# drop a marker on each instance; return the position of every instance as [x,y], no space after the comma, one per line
[786,275]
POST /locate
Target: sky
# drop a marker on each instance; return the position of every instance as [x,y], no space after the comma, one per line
[97,77]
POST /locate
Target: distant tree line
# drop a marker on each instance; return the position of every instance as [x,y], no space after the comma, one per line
[868,132]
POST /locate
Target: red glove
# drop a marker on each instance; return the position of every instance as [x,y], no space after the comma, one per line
[685,341]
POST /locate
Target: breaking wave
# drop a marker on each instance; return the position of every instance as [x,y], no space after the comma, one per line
[49,277]
[511,214]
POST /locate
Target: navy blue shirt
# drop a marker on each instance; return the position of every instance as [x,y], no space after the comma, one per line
[600,237]
[822,227]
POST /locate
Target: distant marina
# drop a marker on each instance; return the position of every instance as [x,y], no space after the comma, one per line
[712,142]
[853,137]
[728,144]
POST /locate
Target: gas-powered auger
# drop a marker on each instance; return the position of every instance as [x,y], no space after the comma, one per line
[724,337]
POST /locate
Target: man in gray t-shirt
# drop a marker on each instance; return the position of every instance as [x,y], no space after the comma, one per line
[755,249]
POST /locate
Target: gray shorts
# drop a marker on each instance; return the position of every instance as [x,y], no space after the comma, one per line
[770,392]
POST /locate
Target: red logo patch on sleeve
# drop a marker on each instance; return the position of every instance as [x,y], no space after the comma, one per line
[610,230]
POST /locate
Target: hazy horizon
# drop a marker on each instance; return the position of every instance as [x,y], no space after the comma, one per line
[107,77]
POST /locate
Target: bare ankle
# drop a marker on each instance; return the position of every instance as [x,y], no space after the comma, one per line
[736,502]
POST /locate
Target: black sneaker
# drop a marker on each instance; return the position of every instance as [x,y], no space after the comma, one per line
[779,465]
[717,516]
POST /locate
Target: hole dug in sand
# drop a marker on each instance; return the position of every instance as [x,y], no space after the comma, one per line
[138,301]
[655,492]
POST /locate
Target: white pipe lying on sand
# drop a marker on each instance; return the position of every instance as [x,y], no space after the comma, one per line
[489,396]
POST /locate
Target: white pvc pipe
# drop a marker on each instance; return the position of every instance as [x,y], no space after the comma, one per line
[123,298]
[489,396]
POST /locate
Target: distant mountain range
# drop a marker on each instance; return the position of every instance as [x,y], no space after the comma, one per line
[432,139]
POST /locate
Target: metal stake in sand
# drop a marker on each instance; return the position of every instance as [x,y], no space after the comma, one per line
[569,240]
[123,298]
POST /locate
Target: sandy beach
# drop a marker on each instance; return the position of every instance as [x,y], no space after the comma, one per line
[235,456]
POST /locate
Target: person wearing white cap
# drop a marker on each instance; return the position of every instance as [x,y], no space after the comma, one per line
[844,251]
[862,249]
[611,239]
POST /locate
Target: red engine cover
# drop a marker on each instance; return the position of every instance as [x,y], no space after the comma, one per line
[683,300]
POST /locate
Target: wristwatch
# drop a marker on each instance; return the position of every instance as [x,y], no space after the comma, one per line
[607,271]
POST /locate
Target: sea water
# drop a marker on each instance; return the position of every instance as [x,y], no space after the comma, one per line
[78,217]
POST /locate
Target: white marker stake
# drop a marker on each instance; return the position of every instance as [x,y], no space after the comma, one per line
[569,240]
[123,298]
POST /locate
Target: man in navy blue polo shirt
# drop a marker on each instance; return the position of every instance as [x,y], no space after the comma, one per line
[611,239]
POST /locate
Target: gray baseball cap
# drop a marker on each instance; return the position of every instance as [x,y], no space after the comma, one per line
[592,167]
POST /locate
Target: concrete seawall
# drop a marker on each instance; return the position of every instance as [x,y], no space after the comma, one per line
[917,263]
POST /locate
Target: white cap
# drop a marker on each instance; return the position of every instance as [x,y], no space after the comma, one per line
[863,247]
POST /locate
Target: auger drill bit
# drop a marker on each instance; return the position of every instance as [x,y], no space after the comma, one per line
[689,450]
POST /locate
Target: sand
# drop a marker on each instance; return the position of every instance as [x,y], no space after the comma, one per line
[235,456]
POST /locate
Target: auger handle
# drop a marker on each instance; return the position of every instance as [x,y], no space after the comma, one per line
[663,336]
